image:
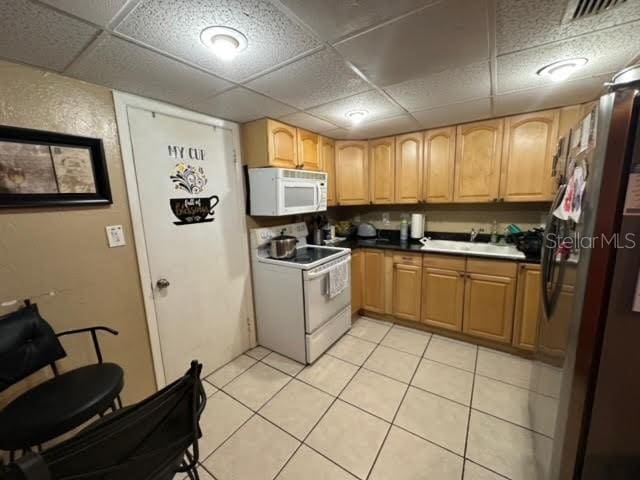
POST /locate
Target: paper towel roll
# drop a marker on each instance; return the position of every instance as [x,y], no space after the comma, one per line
[417,225]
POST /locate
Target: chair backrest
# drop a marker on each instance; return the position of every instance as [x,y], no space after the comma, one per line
[27,343]
[146,441]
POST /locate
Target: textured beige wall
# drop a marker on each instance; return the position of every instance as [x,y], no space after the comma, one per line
[64,250]
[450,217]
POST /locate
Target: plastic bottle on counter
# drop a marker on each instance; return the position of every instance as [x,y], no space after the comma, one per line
[404,230]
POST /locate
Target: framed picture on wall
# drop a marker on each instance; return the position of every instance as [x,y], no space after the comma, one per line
[40,168]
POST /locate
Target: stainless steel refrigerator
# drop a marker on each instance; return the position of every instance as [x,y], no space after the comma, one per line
[588,348]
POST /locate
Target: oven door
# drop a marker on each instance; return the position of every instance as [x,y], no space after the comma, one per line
[319,308]
[298,196]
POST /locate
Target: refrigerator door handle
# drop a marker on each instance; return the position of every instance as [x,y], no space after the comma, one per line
[547,254]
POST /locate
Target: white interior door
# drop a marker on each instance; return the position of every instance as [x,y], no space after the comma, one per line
[192,216]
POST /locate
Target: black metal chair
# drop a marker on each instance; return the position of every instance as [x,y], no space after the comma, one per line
[60,404]
[151,440]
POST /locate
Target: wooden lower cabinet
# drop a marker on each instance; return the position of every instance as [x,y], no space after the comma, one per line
[356,280]
[407,283]
[488,306]
[527,313]
[373,293]
[442,298]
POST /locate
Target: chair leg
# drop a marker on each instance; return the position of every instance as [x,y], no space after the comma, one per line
[119,401]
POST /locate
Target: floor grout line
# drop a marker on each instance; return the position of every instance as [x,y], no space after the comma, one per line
[466,437]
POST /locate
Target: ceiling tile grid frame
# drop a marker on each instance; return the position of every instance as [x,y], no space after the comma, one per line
[100,12]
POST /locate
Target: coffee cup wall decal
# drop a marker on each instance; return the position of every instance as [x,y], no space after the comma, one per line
[194,210]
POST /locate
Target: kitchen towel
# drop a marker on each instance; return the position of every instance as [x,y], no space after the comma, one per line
[338,279]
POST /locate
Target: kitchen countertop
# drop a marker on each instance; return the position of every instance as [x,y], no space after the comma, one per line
[441,245]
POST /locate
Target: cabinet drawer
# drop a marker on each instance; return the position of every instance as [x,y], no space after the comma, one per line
[492,267]
[446,262]
[408,259]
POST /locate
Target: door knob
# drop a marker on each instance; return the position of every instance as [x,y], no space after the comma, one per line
[162,283]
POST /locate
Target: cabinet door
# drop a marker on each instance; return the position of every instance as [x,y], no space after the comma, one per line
[530,142]
[283,145]
[488,307]
[308,150]
[381,170]
[439,165]
[328,161]
[373,284]
[442,298]
[352,172]
[527,313]
[407,281]
[356,281]
[478,155]
[408,168]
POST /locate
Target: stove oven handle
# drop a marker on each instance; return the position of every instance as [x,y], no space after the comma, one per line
[319,273]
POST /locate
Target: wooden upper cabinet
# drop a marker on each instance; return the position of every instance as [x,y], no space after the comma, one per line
[439,165]
[527,313]
[478,156]
[267,143]
[381,170]
[309,150]
[530,142]
[352,172]
[408,168]
[328,162]
[373,285]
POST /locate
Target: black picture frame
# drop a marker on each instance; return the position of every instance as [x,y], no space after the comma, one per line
[102,194]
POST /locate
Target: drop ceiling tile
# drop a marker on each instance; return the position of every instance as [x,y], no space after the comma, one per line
[97,11]
[521,24]
[386,126]
[450,86]
[376,105]
[174,26]
[122,65]
[606,51]
[313,80]
[334,19]
[454,114]
[304,120]
[442,36]
[555,95]
[37,35]
[242,105]
[340,134]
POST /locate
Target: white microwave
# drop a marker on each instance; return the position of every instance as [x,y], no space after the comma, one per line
[283,191]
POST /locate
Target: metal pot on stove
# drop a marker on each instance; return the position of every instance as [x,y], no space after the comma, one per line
[283,246]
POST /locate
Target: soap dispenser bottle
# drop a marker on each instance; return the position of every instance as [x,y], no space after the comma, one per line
[494,232]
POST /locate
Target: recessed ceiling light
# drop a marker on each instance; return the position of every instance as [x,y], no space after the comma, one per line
[225,42]
[356,116]
[561,70]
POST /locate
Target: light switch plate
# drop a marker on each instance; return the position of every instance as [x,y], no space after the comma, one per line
[115,236]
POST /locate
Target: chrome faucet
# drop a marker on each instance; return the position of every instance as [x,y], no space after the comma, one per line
[473,234]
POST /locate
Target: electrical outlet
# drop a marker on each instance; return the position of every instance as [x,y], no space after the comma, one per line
[115,236]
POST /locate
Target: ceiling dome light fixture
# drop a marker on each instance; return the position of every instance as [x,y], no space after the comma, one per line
[561,70]
[356,116]
[225,42]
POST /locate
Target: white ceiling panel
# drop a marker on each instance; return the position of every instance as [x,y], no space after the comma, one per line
[313,80]
[304,120]
[388,126]
[39,36]
[376,105]
[556,95]
[453,114]
[451,86]
[97,11]
[174,26]
[606,51]
[334,19]
[124,66]
[242,105]
[524,24]
[445,35]
[339,134]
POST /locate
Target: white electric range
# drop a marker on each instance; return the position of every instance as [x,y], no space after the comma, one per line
[295,315]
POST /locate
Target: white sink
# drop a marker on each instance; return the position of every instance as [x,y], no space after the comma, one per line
[474,249]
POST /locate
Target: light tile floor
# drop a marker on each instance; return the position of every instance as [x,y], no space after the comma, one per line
[386,402]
